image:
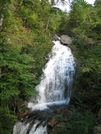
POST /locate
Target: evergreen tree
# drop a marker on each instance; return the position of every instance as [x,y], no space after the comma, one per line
[16,83]
[85,28]
[25,39]
[97,3]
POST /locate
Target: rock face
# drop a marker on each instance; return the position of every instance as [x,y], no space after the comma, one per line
[65,39]
[99,116]
[97,128]
[55,123]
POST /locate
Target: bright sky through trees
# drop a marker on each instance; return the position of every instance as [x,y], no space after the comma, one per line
[67,8]
[90,1]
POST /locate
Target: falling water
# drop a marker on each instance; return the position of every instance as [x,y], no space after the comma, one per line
[54,88]
[57,78]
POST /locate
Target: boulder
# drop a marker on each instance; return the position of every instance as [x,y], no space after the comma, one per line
[97,129]
[64,112]
[99,116]
[65,39]
[53,121]
[53,131]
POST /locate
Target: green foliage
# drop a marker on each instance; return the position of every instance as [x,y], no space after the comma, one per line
[85,27]
[79,121]
[97,3]
[85,20]
[16,83]
[7,120]
[15,71]
[25,39]
[3,8]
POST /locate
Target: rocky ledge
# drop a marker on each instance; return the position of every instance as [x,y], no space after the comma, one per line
[64,39]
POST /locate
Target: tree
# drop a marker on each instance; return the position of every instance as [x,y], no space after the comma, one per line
[16,64]
[25,39]
[16,84]
[97,3]
[85,28]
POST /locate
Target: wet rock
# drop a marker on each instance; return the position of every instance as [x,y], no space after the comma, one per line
[46,114]
[39,115]
[17,127]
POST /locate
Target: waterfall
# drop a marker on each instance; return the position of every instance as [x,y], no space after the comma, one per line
[57,78]
[54,89]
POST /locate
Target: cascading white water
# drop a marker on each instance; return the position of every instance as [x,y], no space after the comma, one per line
[54,88]
[57,78]
[22,128]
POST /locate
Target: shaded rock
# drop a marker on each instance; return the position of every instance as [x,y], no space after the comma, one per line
[65,39]
[64,112]
[61,110]
[97,129]
[46,114]
[23,115]
[99,116]
[56,37]
[53,121]
[40,115]
[59,126]
[53,131]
